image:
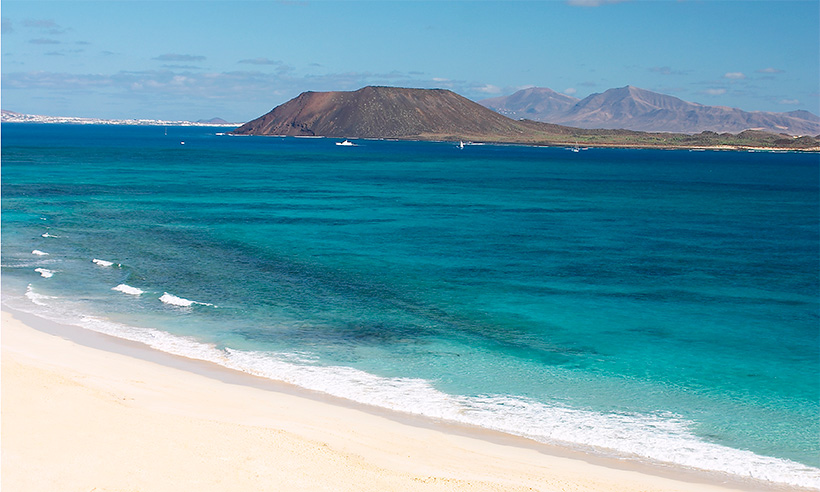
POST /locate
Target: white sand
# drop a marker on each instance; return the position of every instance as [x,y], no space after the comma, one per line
[76,418]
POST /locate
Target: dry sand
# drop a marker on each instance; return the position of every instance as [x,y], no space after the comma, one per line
[79,418]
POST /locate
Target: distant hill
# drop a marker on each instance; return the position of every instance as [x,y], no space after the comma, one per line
[213,121]
[638,109]
[531,103]
[385,112]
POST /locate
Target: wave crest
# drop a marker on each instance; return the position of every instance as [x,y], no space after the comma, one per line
[179,301]
[127,289]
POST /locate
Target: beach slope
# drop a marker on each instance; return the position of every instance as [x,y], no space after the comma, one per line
[76,417]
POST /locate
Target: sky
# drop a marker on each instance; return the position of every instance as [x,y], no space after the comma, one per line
[237,59]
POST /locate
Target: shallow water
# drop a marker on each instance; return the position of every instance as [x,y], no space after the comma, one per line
[658,304]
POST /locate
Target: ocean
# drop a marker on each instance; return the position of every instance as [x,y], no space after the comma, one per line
[646,304]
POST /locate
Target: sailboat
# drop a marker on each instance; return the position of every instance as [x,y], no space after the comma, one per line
[346,143]
[461,144]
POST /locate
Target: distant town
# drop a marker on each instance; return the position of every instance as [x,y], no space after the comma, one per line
[12,117]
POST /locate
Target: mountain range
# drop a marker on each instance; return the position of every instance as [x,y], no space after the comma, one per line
[638,109]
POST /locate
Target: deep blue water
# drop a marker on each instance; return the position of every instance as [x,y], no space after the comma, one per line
[659,304]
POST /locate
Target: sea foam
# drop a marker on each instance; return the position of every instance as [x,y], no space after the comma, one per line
[127,289]
[659,437]
[46,234]
[37,252]
[35,297]
[103,263]
[44,272]
[179,301]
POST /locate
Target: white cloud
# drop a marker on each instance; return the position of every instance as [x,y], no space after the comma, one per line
[570,91]
[789,101]
[769,70]
[735,75]
[489,89]
[714,92]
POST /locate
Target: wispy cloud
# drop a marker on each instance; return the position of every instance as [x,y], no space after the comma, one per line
[41,23]
[769,70]
[570,91]
[734,75]
[488,89]
[241,95]
[44,41]
[791,102]
[665,70]
[175,57]
[714,92]
[46,25]
[181,67]
[260,61]
[65,52]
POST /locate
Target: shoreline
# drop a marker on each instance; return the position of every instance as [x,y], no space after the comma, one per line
[441,139]
[130,385]
[556,144]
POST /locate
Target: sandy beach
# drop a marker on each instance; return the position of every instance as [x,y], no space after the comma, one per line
[98,414]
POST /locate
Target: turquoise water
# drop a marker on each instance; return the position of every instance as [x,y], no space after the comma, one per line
[659,305]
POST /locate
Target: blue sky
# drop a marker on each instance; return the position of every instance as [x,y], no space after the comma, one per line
[189,59]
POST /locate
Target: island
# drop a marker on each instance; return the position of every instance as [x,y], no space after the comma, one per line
[442,115]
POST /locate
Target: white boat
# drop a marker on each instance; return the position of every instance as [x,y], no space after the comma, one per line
[346,143]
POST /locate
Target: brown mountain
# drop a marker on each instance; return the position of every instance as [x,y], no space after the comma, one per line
[642,110]
[386,112]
